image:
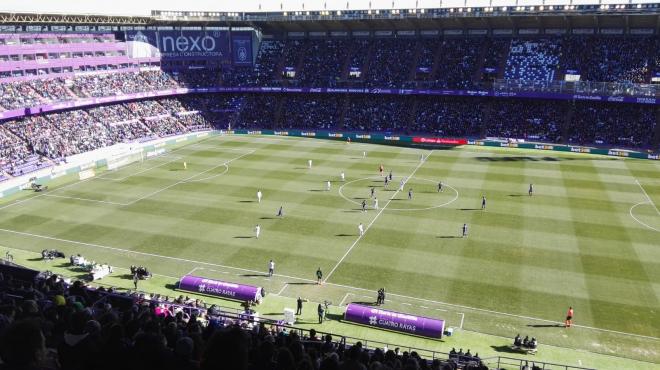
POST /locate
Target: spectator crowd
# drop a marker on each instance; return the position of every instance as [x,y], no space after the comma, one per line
[457,62]
[30,142]
[48,323]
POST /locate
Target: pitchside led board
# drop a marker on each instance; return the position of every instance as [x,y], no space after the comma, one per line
[395,321]
[223,46]
[239,292]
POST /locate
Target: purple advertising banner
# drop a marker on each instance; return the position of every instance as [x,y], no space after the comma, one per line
[219,288]
[12,113]
[241,48]
[483,93]
[185,44]
[396,321]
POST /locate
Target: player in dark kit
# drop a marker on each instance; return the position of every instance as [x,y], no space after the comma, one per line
[440,187]
[319,276]
[299,304]
[321,313]
[531,190]
[390,175]
[373,191]
[364,205]
[465,230]
[483,203]
[280,212]
[410,194]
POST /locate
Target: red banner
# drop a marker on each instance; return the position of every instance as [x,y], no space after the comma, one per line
[439,140]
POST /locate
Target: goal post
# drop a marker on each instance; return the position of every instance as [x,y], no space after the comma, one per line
[117,161]
[86,174]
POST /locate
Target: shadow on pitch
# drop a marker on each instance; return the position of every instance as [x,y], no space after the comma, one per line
[546,325]
[316,190]
[449,237]
[254,275]
[268,218]
[516,195]
[344,235]
[243,237]
[470,209]
[334,316]
[522,159]
[246,201]
[505,349]
[365,303]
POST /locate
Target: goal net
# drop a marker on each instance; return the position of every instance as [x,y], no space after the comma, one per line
[118,161]
[86,174]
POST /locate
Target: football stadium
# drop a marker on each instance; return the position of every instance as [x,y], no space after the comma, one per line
[322,185]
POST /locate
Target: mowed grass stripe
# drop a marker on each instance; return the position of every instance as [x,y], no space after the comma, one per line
[200,221]
[606,311]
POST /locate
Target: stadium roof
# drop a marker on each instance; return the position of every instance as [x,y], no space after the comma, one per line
[638,18]
[144,7]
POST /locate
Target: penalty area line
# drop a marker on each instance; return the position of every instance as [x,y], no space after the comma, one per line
[187,179]
[314,281]
[647,196]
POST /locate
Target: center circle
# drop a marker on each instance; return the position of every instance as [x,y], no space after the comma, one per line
[422,191]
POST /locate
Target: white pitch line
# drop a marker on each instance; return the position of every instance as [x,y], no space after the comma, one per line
[372,221]
[44,194]
[193,270]
[497,312]
[647,197]
[176,158]
[328,284]
[85,199]
[343,299]
[149,254]
[187,179]
[638,220]
[281,290]
[92,178]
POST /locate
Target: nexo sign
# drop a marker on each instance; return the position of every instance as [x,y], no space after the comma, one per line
[185,44]
[188,43]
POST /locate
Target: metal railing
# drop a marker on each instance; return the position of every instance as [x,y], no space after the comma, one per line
[500,362]
[580,87]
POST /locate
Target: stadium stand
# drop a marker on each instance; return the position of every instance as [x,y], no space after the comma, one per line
[97,66]
[47,322]
[532,60]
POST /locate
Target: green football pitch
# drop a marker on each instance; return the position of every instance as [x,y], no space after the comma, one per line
[589,237]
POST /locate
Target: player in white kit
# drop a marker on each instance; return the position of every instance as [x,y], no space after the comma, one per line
[361,229]
[259,196]
[257,231]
